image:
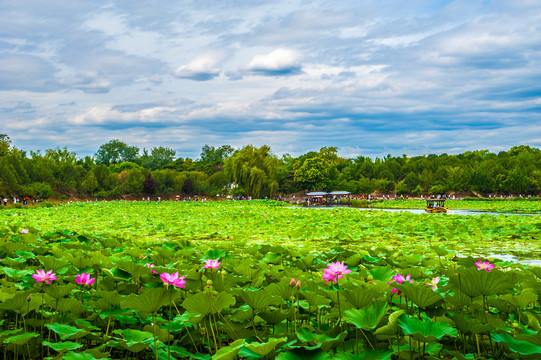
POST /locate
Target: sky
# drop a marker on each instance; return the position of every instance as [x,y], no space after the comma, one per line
[369,77]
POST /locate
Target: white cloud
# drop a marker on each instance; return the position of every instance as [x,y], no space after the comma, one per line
[203,67]
[278,62]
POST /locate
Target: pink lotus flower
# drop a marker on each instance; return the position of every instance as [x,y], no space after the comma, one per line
[434,283]
[485,265]
[42,276]
[292,282]
[173,279]
[24,231]
[399,279]
[150,266]
[212,264]
[84,279]
[335,271]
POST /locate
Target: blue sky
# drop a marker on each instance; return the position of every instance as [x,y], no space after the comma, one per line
[369,77]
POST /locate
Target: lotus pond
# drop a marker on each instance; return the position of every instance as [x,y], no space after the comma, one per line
[256,280]
[517,205]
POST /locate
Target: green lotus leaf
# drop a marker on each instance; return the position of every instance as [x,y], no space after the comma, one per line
[65,331]
[244,268]
[127,318]
[520,300]
[79,356]
[425,330]
[229,352]
[131,268]
[361,296]
[391,329]
[70,305]
[214,254]
[63,346]
[272,258]
[315,300]
[256,350]
[8,333]
[181,352]
[440,250]
[502,306]
[148,302]
[318,340]
[367,318]
[19,303]
[470,326]
[518,346]
[14,273]
[59,291]
[117,274]
[536,271]
[282,289]
[21,339]
[86,324]
[421,295]
[203,303]
[258,299]
[381,273]
[135,340]
[476,283]
[112,298]
[25,254]
[53,263]
[82,262]
[366,355]
[303,354]
[161,334]
[533,322]
[273,317]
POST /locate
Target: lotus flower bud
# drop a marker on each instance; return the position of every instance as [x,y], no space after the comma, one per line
[292,282]
[298,285]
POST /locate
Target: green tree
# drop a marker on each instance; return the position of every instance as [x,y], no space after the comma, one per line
[89,184]
[106,180]
[401,188]
[116,151]
[315,172]
[162,156]
[456,178]
[5,144]
[255,170]
[131,181]
[212,155]
[516,182]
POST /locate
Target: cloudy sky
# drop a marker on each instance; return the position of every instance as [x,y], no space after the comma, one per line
[369,77]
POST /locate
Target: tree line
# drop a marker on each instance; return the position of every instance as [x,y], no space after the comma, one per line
[118,169]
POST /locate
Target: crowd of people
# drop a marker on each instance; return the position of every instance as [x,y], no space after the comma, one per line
[16,200]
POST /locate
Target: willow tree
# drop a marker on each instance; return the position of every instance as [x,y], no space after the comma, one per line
[255,170]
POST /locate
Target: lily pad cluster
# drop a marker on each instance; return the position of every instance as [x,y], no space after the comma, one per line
[69,294]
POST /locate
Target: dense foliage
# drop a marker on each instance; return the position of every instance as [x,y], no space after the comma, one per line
[260,281]
[120,169]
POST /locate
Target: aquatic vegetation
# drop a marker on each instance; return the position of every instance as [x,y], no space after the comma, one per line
[249,302]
